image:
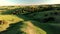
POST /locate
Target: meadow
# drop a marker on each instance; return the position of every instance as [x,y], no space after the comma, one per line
[34,19]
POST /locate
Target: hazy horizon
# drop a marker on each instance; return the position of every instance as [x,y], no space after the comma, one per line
[27,2]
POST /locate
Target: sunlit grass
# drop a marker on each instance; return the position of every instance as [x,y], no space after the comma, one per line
[29,28]
[8,19]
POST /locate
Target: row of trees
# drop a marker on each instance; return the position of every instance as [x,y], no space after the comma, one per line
[31,9]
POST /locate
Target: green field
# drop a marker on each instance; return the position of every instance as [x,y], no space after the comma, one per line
[37,19]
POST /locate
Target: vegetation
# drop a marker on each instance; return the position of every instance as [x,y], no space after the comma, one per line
[37,19]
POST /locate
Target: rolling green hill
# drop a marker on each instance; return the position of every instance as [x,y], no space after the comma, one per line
[38,19]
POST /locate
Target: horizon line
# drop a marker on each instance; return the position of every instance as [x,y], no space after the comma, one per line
[27,4]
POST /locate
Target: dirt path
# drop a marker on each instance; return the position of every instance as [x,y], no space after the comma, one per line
[31,29]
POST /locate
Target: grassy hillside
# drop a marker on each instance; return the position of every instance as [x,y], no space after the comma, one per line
[38,19]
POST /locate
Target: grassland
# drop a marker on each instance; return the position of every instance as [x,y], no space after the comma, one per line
[39,19]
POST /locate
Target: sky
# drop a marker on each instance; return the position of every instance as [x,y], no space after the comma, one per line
[28,2]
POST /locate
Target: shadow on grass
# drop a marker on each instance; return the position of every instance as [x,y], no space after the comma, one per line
[45,26]
[50,29]
[14,29]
